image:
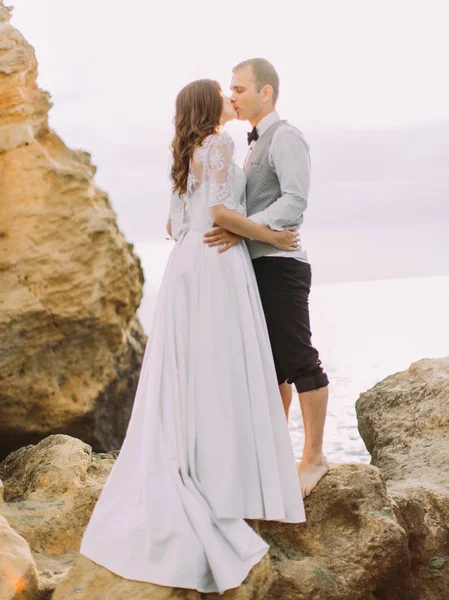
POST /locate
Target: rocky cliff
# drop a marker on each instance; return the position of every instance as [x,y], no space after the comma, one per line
[70,284]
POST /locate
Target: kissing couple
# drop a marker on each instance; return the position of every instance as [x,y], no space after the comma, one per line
[207,444]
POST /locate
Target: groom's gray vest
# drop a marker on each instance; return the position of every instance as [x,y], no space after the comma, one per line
[262,186]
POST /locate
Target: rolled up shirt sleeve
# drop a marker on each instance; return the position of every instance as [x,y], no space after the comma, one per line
[290,159]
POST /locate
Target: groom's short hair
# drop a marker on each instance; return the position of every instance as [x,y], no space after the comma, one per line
[264,73]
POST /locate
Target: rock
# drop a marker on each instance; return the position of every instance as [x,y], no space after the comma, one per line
[86,580]
[49,492]
[404,421]
[351,548]
[18,574]
[70,284]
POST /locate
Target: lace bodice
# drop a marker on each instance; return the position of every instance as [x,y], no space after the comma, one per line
[213,179]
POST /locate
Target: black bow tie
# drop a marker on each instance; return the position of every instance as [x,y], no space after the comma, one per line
[252,135]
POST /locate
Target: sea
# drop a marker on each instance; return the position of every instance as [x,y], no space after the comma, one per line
[364,331]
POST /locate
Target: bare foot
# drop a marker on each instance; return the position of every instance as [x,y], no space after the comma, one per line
[310,473]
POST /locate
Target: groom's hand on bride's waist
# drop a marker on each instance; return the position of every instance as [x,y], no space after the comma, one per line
[222,237]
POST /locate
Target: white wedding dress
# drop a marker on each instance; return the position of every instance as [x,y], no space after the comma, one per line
[207,444]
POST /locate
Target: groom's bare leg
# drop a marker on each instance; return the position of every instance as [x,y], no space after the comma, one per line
[286,395]
[313,464]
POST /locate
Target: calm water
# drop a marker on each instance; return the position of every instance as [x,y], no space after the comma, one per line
[364,331]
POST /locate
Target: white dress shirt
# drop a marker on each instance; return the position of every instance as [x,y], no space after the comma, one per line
[289,158]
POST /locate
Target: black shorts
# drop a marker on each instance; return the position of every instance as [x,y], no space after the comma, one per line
[284,286]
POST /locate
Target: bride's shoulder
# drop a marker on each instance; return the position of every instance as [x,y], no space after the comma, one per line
[218,138]
[222,142]
[215,144]
[224,138]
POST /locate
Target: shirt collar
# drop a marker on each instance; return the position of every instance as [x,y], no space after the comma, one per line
[267,121]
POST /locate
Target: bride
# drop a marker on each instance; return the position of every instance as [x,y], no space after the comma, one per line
[207,445]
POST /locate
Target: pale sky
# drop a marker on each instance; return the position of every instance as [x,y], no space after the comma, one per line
[351,62]
[365,81]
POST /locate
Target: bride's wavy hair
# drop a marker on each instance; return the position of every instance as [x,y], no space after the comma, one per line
[198,110]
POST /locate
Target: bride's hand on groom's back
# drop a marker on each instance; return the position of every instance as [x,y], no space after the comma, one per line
[222,237]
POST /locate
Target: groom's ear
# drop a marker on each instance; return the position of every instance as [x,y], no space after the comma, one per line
[267,93]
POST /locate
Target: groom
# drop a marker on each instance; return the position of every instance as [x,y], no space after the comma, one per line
[277,169]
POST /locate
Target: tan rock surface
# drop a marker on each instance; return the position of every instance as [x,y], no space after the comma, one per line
[70,284]
[404,421]
[351,547]
[49,491]
[18,574]
[86,580]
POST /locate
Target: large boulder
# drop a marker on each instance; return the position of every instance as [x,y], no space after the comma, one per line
[70,284]
[404,421]
[352,546]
